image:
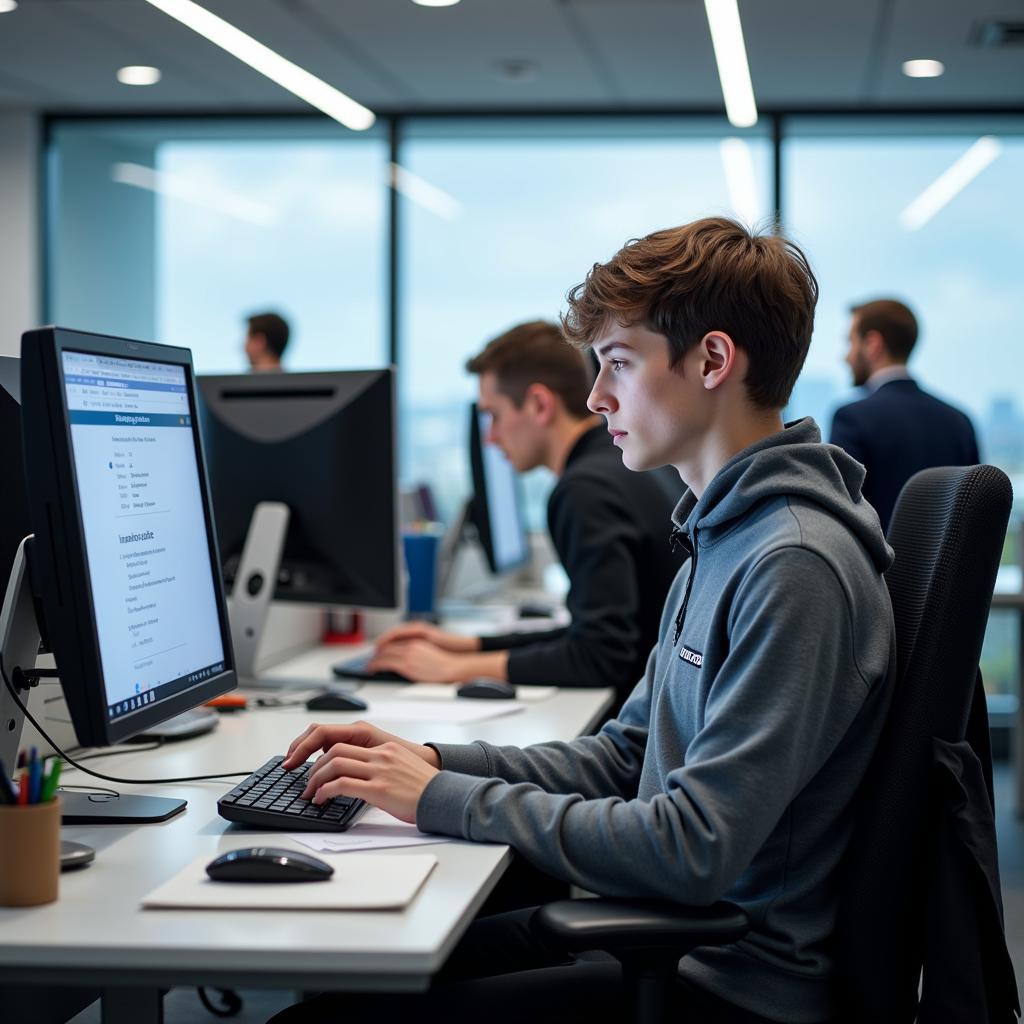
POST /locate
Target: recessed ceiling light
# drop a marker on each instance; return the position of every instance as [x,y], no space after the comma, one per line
[138,74]
[6,6]
[436,3]
[923,68]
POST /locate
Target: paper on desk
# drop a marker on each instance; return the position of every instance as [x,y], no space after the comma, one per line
[462,712]
[373,881]
[446,691]
[375,830]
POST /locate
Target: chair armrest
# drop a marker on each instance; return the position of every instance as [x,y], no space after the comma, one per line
[627,927]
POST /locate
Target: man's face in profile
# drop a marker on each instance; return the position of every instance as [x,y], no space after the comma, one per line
[511,428]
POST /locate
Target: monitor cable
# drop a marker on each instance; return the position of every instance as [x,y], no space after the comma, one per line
[28,679]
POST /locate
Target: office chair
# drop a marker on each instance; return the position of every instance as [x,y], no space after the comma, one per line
[947,531]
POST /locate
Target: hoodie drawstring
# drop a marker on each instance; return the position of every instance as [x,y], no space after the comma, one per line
[678,537]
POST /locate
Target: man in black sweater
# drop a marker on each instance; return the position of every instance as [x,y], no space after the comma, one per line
[607,525]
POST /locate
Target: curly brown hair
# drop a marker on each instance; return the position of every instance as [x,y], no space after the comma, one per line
[711,275]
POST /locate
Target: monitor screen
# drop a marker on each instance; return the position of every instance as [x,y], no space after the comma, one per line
[497,501]
[125,556]
[137,466]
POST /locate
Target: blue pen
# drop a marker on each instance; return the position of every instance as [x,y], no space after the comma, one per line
[35,777]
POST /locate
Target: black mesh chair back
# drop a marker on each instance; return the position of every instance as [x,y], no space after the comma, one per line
[947,532]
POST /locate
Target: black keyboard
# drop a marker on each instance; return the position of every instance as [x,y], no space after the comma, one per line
[270,798]
[356,668]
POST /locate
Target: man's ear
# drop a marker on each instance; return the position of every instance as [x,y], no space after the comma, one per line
[542,403]
[718,359]
[874,345]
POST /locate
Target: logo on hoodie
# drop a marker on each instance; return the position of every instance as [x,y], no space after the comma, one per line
[695,658]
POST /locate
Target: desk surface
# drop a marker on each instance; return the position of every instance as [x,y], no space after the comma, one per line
[97,933]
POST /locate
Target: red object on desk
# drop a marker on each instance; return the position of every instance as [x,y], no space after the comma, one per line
[228,702]
[353,636]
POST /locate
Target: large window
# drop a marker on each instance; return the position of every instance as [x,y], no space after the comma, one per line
[176,231]
[500,219]
[922,210]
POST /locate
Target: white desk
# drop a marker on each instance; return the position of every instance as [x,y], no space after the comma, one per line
[96,934]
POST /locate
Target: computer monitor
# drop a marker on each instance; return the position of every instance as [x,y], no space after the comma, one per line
[323,444]
[497,505]
[124,562]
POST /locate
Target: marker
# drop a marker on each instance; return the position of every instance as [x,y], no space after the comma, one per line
[35,778]
[52,781]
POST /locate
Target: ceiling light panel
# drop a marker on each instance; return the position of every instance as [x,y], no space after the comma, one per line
[261,58]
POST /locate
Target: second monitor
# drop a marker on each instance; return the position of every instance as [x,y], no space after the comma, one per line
[302,471]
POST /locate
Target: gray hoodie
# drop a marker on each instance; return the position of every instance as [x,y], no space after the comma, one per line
[731,770]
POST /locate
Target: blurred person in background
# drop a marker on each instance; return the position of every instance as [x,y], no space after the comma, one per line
[897,428]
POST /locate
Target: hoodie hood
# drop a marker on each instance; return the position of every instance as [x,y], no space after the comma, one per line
[791,463]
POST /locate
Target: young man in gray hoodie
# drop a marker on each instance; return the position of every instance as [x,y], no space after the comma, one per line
[732,769]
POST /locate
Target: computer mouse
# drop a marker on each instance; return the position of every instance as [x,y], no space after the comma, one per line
[336,702]
[535,610]
[486,689]
[268,864]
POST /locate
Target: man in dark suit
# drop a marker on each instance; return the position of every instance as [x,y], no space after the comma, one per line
[897,429]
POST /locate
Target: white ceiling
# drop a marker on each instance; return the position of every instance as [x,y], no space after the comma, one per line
[61,55]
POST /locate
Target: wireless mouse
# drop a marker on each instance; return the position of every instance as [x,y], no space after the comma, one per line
[486,689]
[268,864]
[333,701]
[535,610]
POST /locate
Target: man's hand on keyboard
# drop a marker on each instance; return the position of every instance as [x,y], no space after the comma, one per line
[390,776]
[357,734]
[454,642]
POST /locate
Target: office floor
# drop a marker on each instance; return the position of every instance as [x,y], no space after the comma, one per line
[182,1005]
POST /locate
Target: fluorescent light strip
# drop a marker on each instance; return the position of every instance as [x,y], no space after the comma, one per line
[261,58]
[738,162]
[948,184]
[731,57]
[421,192]
[174,186]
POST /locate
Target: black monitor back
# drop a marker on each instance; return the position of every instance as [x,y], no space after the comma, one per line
[324,444]
[15,523]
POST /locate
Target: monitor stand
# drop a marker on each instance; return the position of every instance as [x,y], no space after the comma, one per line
[101,808]
[195,722]
[255,582]
[460,530]
[19,645]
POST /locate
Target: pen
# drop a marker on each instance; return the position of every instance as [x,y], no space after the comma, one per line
[52,781]
[23,790]
[35,777]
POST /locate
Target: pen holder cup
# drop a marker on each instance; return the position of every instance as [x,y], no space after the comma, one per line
[29,854]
